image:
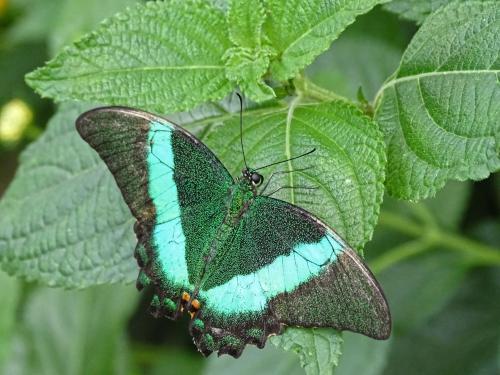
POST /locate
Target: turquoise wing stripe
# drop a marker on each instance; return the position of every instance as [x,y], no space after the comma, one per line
[168,237]
[250,293]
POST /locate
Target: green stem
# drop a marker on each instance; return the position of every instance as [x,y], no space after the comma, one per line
[432,237]
[399,253]
[309,89]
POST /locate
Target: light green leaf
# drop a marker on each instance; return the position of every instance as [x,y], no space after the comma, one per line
[245,67]
[346,170]
[319,349]
[415,10]
[167,58]
[248,61]
[245,19]
[9,295]
[63,219]
[76,332]
[440,111]
[299,30]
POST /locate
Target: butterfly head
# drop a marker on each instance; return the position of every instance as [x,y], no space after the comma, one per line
[252,177]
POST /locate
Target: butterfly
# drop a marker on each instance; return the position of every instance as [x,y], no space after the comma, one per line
[241,264]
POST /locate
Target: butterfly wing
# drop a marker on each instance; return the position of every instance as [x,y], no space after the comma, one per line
[278,266]
[285,267]
[174,186]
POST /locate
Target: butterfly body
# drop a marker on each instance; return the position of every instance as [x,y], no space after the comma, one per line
[241,264]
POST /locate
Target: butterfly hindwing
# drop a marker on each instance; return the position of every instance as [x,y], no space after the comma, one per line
[287,268]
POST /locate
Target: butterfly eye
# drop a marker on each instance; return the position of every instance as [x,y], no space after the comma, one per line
[257,179]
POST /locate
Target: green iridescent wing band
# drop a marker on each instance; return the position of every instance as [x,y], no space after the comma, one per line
[244,266]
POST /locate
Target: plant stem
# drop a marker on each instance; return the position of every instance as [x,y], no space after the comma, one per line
[399,253]
[309,89]
[431,237]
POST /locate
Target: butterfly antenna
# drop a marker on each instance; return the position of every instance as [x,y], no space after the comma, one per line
[284,161]
[241,130]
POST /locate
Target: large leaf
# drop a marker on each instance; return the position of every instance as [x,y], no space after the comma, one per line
[440,111]
[300,30]
[346,170]
[161,56]
[73,333]
[319,349]
[63,219]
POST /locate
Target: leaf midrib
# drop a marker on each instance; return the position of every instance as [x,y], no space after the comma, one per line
[104,71]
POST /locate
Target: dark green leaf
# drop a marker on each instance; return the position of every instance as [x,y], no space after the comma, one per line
[420,287]
[362,355]
[75,333]
[299,31]
[269,360]
[63,219]
[161,56]
[440,110]
[462,339]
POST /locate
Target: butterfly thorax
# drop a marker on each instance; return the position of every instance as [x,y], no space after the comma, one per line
[240,197]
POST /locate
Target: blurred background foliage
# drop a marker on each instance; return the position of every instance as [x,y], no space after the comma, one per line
[444,296]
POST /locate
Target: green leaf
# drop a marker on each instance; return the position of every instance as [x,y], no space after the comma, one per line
[319,349]
[440,110]
[9,294]
[346,170]
[245,19]
[245,67]
[76,332]
[63,219]
[299,31]
[364,55]
[248,60]
[167,58]
[54,20]
[269,360]
[415,10]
